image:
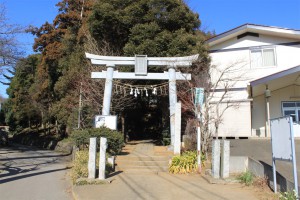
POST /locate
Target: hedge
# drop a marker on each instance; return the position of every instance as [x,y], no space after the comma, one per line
[115,139]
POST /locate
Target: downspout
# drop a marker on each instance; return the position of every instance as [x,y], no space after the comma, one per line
[267,96]
[250,96]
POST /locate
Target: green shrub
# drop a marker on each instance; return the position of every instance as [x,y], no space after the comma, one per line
[3,138]
[290,195]
[115,139]
[166,141]
[186,163]
[164,138]
[247,178]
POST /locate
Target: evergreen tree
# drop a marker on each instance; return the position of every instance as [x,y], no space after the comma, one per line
[60,44]
[152,27]
[155,28]
[22,110]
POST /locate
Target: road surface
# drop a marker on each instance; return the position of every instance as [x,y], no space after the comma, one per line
[31,174]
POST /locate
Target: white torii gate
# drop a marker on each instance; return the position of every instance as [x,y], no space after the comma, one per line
[141,62]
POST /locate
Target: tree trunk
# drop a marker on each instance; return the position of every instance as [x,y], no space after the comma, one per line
[42,114]
[123,126]
[56,126]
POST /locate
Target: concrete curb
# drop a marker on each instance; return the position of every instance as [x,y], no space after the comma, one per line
[92,182]
[74,194]
[262,169]
[240,164]
[212,180]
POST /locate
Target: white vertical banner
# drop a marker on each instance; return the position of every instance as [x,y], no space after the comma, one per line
[198,102]
[199,96]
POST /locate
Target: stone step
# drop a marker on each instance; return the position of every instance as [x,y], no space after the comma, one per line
[142,169]
[142,158]
[167,154]
[128,147]
[142,163]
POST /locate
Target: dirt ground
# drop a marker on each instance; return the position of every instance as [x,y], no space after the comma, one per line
[262,190]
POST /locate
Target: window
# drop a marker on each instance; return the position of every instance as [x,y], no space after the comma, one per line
[292,108]
[263,57]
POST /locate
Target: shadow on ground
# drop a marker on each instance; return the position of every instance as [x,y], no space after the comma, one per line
[19,162]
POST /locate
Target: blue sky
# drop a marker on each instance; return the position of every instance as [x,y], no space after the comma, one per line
[217,15]
[223,15]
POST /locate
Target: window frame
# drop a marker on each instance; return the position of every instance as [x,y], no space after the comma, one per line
[296,109]
[261,50]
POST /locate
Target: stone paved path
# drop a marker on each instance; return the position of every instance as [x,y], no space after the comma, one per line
[31,174]
[161,185]
[145,148]
[143,157]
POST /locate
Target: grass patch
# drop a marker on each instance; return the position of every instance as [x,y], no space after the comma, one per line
[80,165]
[246,178]
[79,170]
[289,195]
[83,181]
[185,163]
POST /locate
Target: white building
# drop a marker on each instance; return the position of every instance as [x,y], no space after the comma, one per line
[253,61]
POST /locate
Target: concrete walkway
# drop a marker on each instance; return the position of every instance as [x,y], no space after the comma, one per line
[162,186]
[31,174]
[159,185]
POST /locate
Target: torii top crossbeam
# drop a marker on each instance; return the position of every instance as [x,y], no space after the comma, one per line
[151,61]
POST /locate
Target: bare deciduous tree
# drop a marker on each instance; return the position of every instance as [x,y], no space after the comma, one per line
[9,46]
[217,82]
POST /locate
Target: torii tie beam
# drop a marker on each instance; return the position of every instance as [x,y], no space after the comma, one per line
[141,63]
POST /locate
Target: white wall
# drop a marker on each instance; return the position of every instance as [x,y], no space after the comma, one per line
[286,56]
[237,122]
[250,41]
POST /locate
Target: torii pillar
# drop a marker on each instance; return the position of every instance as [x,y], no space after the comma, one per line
[141,63]
[108,90]
[172,100]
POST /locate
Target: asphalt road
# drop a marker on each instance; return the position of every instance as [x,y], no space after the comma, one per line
[261,150]
[32,174]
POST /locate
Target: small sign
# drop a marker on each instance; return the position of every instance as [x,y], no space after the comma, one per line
[199,96]
[283,145]
[109,121]
[282,138]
